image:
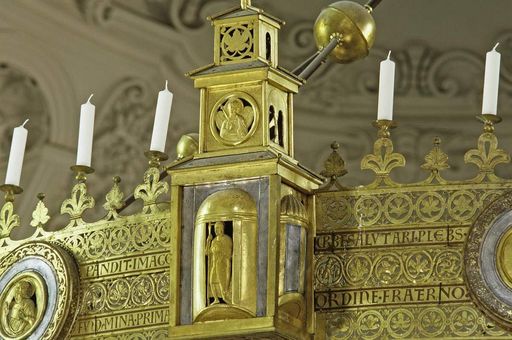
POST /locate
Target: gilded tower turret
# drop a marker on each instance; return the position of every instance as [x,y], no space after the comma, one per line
[244,204]
[230,254]
[246,57]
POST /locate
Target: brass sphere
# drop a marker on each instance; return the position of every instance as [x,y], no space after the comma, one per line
[350,21]
[187,146]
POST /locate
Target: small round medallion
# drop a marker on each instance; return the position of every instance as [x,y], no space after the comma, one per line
[504,258]
[487,263]
[38,292]
[234,118]
[23,303]
[329,270]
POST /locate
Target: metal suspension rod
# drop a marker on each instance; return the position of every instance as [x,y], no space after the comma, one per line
[302,66]
[372,4]
[319,59]
[304,71]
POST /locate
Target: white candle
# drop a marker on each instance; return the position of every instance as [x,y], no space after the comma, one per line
[491,82]
[85,134]
[19,141]
[161,124]
[386,89]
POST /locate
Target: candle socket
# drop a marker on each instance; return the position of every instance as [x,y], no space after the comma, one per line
[489,121]
[155,158]
[81,172]
[10,190]
[383,126]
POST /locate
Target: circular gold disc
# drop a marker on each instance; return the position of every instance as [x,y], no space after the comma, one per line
[504,258]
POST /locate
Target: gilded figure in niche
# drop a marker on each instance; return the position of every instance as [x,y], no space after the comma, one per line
[20,313]
[234,120]
[219,250]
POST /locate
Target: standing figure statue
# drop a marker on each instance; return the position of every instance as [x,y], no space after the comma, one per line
[21,312]
[219,252]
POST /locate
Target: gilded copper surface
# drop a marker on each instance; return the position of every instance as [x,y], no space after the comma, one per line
[64,272]
[234,118]
[489,298]
[352,24]
[231,266]
[237,42]
[504,258]
[378,261]
[187,146]
[23,303]
[219,250]
[390,256]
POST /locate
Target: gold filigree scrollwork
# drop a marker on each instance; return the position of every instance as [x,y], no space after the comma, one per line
[328,271]
[237,42]
[150,190]
[114,200]
[334,168]
[75,206]
[382,161]
[446,321]
[486,157]
[8,220]
[40,216]
[435,162]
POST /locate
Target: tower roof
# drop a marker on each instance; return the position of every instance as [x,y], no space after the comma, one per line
[236,12]
[213,69]
[293,209]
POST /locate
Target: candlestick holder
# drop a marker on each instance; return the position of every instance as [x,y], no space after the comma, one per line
[10,190]
[153,186]
[155,158]
[8,217]
[79,200]
[489,121]
[383,160]
[81,172]
[487,155]
[383,126]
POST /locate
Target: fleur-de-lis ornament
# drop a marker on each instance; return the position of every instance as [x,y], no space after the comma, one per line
[486,157]
[8,220]
[382,161]
[114,200]
[75,206]
[40,214]
[334,168]
[436,161]
[151,189]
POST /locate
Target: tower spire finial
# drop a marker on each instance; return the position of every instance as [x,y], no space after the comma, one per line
[245,3]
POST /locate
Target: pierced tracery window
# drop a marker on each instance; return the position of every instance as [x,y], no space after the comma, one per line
[236,42]
[276,126]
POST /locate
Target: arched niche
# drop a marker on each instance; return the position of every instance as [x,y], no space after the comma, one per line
[278,116]
[230,253]
[292,256]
